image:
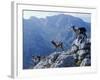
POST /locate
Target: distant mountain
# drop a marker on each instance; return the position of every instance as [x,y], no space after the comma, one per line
[38,33]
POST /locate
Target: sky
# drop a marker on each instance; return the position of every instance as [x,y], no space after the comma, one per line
[41,14]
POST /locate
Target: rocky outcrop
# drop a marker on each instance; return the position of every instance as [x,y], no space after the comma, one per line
[78,55]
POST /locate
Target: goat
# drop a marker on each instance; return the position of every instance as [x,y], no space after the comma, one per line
[78,31]
[57,44]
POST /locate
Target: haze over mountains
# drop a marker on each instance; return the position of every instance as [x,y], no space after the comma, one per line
[38,33]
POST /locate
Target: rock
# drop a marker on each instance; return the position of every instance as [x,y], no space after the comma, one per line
[79,53]
[48,61]
[57,59]
[86,62]
[64,61]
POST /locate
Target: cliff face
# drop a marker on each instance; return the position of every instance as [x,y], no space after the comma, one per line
[77,55]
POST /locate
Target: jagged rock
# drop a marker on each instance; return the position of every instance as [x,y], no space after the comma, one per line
[57,59]
[78,55]
[48,61]
[64,61]
[86,62]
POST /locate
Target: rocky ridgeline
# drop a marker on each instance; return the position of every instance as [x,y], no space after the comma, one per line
[78,55]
